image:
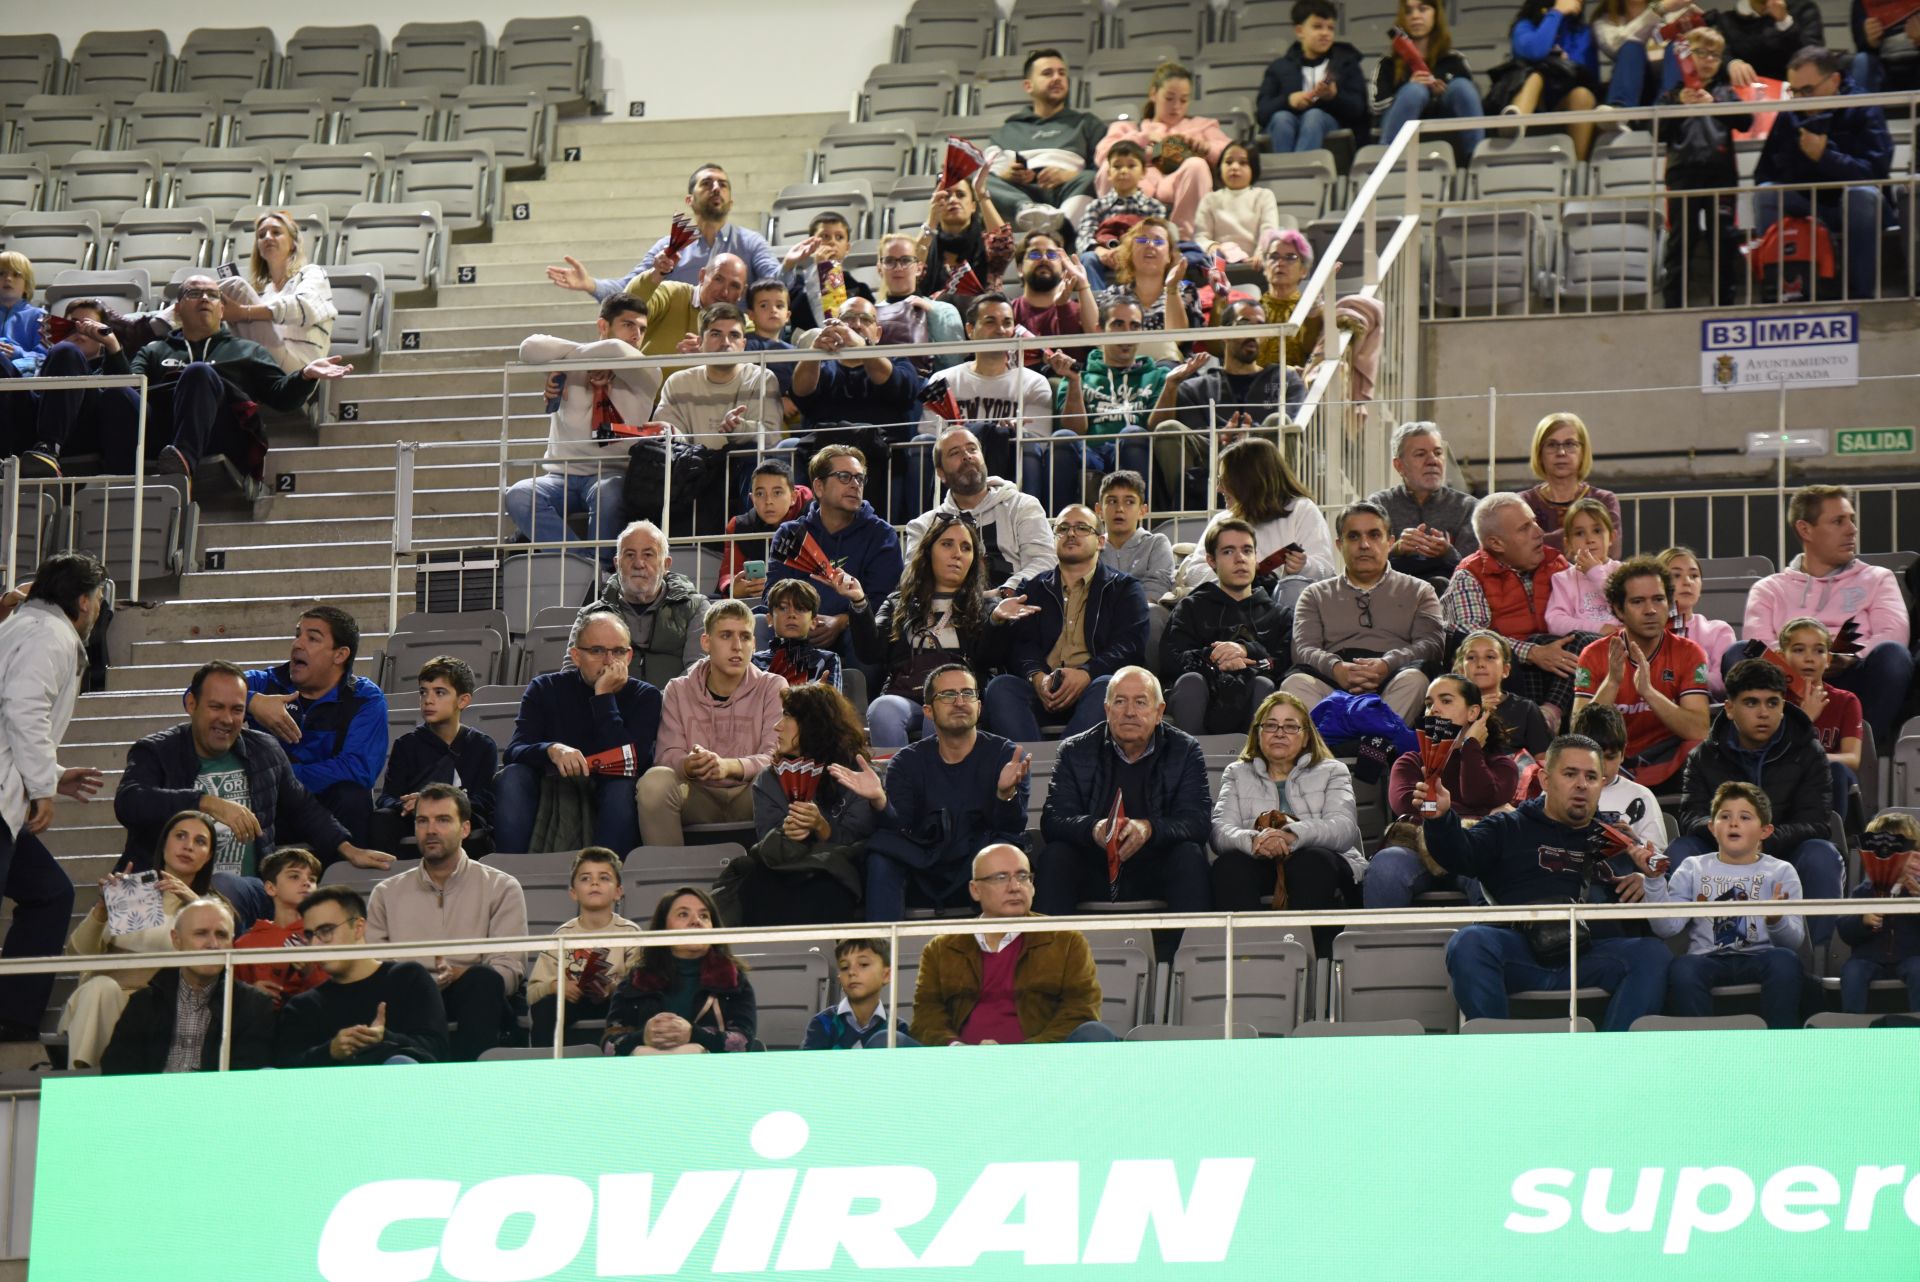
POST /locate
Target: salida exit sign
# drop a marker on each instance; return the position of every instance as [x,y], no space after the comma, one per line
[1875,440]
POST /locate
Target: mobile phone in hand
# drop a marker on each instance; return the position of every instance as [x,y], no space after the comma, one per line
[227,270]
[1058,679]
[755,569]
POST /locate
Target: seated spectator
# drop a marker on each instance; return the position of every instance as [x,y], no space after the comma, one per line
[1888,60]
[1713,637]
[1763,35]
[238,777]
[283,302]
[1284,826]
[39,427]
[1046,160]
[849,533]
[1656,679]
[174,1024]
[1226,642]
[1761,738]
[943,796]
[1761,949]
[709,200]
[859,1022]
[1123,201]
[1149,268]
[721,406]
[793,605]
[1538,854]
[334,724]
[439,750]
[1481,777]
[776,500]
[1555,67]
[449,896]
[675,307]
[1082,624]
[593,972]
[1370,630]
[717,731]
[1290,534]
[1562,456]
[1503,588]
[1236,217]
[592,706]
[907,317]
[993,989]
[1577,598]
[584,470]
[1700,155]
[369,1011]
[938,616]
[1161,836]
[766,314]
[1182,148]
[660,608]
[22,346]
[1119,389]
[1236,395]
[1445,90]
[1835,713]
[1638,809]
[1143,555]
[963,231]
[1316,87]
[819,285]
[1434,520]
[1486,659]
[1829,582]
[1627,41]
[804,863]
[1884,945]
[1285,258]
[1055,295]
[183,865]
[289,875]
[684,999]
[860,387]
[1014,538]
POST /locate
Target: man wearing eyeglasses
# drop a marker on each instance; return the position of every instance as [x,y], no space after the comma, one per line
[593,706]
[1835,144]
[709,201]
[944,797]
[173,1025]
[1235,395]
[1000,988]
[369,1011]
[1011,526]
[852,535]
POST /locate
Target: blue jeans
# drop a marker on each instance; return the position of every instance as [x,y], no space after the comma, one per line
[1013,710]
[1395,875]
[1630,86]
[1858,974]
[1091,1031]
[1777,970]
[1302,131]
[1458,100]
[1880,678]
[1488,962]
[894,721]
[539,506]
[1855,224]
[516,800]
[1822,873]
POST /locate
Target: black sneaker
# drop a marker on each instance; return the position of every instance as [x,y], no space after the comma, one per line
[172,463]
[40,461]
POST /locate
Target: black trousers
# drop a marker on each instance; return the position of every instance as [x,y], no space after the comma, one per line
[541,1013]
[1316,878]
[1068,873]
[477,1005]
[42,896]
[352,804]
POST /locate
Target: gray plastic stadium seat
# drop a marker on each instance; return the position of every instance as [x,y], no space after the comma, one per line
[458,175]
[905,206]
[333,61]
[1184,24]
[405,239]
[120,65]
[920,92]
[1608,250]
[583,1050]
[437,55]
[1393,974]
[548,907]
[23,182]
[109,182]
[54,241]
[1697,1023]
[1360,1028]
[1722,567]
[1184,1032]
[236,242]
[171,124]
[1125,971]
[996,92]
[1226,73]
[799,202]
[406,651]
[222,180]
[1302,182]
[1114,81]
[514,118]
[1487,259]
[544,649]
[334,176]
[1518,168]
[161,241]
[1437,171]
[1272,975]
[494,720]
[103,525]
[279,120]
[872,151]
[226,62]
[29,65]
[938,32]
[58,125]
[1257,24]
[361,310]
[390,117]
[789,989]
[1583,1024]
[646,878]
[125,290]
[554,55]
[535,580]
[1067,25]
[1840,1019]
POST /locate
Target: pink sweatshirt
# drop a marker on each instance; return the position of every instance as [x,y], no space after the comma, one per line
[744,726]
[1865,593]
[1716,638]
[1578,600]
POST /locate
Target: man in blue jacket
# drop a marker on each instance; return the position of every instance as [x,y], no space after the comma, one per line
[1822,145]
[1160,775]
[849,534]
[1542,853]
[1082,622]
[333,723]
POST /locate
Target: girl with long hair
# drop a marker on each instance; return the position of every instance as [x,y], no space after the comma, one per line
[1290,532]
[963,229]
[1180,148]
[1444,90]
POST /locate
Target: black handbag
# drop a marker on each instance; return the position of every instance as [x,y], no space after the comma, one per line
[1548,940]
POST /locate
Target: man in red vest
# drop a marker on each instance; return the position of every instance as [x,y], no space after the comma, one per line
[1504,586]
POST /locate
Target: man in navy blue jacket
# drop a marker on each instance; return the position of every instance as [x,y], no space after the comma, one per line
[570,715]
[1081,623]
[334,724]
[1817,145]
[1161,776]
[1542,853]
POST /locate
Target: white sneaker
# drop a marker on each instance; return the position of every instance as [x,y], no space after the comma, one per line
[1036,217]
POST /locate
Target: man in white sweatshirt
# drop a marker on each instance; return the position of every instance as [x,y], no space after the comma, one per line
[582,472]
[1010,526]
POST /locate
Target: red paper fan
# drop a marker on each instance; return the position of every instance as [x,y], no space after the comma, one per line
[1688,21]
[1617,841]
[1689,73]
[681,234]
[621,762]
[1409,53]
[938,397]
[58,328]
[803,554]
[1116,823]
[799,778]
[962,283]
[590,969]
[1436,749]
[964,160]
[1884,855]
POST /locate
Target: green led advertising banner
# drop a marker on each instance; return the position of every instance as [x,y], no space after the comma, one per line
[1657,1155]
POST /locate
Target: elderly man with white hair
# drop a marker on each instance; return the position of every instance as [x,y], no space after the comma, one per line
[663,610]
[173,1024]
[1504,586]
[1128,813]
[1432,522]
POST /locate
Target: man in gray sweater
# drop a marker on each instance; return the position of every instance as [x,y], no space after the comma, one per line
[1369,630]
[1432,522]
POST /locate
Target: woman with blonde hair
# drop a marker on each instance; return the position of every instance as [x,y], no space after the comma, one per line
[1562,456]
[1149,269]
[1181,149]
[283,302]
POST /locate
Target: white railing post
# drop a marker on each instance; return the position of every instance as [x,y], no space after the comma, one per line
[139,491]
[10,532]
[404,454]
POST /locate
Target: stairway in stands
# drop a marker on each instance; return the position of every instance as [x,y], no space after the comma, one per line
[331,538]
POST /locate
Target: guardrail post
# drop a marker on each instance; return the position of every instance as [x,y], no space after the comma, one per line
[1573,969]
[1228,1004]
[559,999]
[139,494]
[226,1011]
[403,459]
[10,533]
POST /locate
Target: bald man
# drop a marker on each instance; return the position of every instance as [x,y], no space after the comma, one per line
[173,1024]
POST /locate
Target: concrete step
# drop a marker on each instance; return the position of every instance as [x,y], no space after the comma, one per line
[462,398]
[216,587]
[502,337]
[111,703]
[623,246]
[385,430]
[250,615]
[366,388]
[279,556]
[573,226]
[311,460]
[121,730]
[540,308]
[647,198]
[449,359]
[658,138]
[88,852]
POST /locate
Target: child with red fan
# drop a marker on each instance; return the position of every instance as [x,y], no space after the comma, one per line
[593,971]
[1885,945]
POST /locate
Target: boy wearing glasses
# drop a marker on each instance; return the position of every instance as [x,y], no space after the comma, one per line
[439,750]
[1700,155]
[369,1011]
[846,529]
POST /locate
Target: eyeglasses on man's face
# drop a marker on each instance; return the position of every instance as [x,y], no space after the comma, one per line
[999,880]
[848,478]
[605,651]
[963,695]
[324,934]
[1073,527]
[198,294]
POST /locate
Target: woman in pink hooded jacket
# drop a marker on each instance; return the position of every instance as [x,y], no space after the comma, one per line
[1165,116]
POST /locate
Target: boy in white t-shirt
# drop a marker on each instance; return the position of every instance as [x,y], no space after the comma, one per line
[1638,808]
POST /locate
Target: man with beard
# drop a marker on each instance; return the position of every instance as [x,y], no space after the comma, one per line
[1227,643]
[662,610]
[852,536]
[1049,148]
[1236,396]
[1056,297]
[449,896]
[1657,680]
[1435,520]
[1541,853]
[710,199]
[1010,527]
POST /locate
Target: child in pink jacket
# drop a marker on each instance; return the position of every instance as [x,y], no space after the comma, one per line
[1578,600]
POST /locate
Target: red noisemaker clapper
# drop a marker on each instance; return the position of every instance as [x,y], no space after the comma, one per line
[1617,841]
[680,234]
[1691,20]
[799,778]
[798,551]
[964,282]
[1438,738]
[58,328]
[964,160]
[622,761]
[1409,54]
[939,398]
[590,970]
[1884,855]
[1116,823]
[1689,74]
